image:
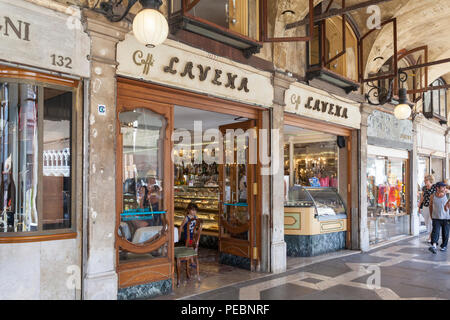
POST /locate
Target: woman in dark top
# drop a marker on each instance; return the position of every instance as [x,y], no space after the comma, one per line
[428,189]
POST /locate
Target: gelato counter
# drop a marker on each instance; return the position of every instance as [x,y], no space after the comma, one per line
[315,221]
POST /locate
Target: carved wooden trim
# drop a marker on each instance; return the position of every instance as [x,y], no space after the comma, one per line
[144,247]
[234,229]
[10,72]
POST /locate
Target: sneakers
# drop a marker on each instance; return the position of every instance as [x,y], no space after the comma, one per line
[432,249]
[444,249]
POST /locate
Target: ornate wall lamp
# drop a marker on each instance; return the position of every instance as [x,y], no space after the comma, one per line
[403,108]
[150,27]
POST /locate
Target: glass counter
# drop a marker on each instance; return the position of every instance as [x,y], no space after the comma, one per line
[315,221]
[326,201]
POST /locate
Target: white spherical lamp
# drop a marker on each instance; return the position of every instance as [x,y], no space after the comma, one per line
[402,111]
[150,27]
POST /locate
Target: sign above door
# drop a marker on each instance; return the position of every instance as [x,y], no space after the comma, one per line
[181,66]
[317,104]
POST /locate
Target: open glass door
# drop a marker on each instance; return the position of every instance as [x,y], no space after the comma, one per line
[237,186]
[144,237]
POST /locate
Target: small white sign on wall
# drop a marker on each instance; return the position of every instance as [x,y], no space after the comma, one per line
[101,109]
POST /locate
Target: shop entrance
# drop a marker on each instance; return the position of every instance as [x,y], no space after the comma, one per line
[174,150]
[317,188]
[221,184]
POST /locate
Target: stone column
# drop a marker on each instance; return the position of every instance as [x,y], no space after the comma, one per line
[413,165]
[281,83]
[361,223]
[99,254]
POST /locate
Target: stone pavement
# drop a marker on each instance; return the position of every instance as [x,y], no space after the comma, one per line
[402,270]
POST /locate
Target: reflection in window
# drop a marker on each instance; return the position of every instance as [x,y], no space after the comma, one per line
[347,64]
[26,154]
[241,16]
[435,101]
[57,159]
[143,218]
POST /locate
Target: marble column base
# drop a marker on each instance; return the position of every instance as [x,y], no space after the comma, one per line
[145,291]
[100,286]
[309,246]
[278,257]
[415,223]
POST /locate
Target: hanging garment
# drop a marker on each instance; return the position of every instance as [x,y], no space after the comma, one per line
[334,182]
[325,182]
[394,194]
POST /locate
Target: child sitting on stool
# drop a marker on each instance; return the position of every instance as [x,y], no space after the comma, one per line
[190,220]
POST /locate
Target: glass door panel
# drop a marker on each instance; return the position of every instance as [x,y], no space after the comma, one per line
[237,177]
[143,218]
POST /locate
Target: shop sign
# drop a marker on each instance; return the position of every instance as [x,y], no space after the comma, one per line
[386,130]
[311,102]
[177,65]
[43,38]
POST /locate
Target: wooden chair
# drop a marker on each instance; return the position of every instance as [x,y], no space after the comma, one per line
[189,253]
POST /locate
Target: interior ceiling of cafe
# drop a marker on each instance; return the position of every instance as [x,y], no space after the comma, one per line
[419,23]
[184,118]
[299,135]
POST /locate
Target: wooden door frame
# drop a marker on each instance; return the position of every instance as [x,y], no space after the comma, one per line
[157,269]
[145,93]
[326,127]
[253,229]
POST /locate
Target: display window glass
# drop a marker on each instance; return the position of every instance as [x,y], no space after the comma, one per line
[316,164]
[36,158]
[423,169]
[437,169]
[386,197]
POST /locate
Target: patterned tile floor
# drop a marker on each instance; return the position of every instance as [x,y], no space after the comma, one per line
[402,270]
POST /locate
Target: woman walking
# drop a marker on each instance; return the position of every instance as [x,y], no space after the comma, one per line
[428,189]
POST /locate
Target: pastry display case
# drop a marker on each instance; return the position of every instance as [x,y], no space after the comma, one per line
[310,211]
[207,200]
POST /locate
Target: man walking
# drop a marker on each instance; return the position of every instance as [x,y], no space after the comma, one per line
[439,209]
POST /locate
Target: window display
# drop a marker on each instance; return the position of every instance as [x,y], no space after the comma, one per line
[386,197]
[36,123]
[316,164]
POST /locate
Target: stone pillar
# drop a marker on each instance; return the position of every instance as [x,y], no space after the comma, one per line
[414,183]
[361,223]
[99,254]
[281,83]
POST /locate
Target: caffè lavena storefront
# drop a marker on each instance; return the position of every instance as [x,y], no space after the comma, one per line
[320,170]
[178,114]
